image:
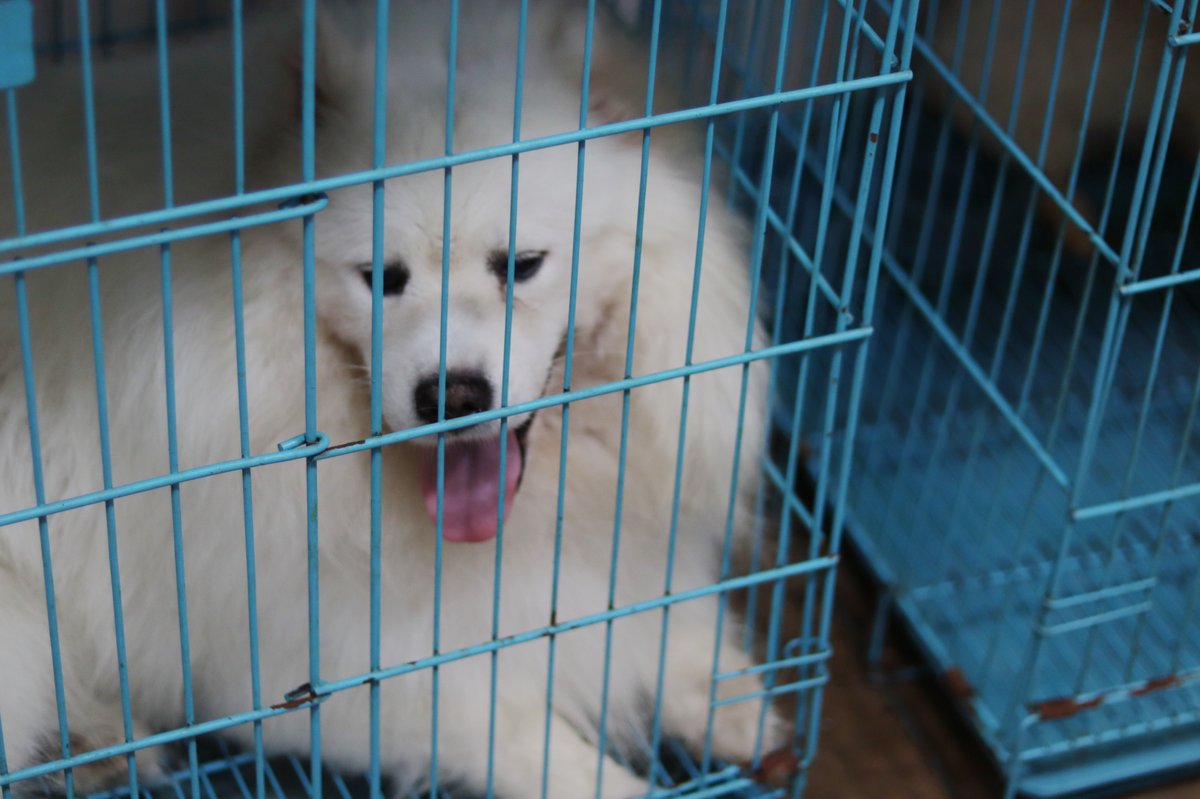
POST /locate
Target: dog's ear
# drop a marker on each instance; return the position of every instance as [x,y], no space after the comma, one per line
[617,78]
[341,59]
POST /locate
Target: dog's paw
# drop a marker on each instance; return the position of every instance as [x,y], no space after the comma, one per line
[113,771]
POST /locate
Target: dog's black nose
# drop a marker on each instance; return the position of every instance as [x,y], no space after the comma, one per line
[466,393]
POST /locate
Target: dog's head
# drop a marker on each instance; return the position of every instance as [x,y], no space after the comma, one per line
[464,283]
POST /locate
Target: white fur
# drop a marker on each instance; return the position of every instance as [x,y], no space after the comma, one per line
[208,421]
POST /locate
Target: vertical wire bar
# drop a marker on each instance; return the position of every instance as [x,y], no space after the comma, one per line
[6,789]
[35,444]
[1121,520]
[1181,456]
[378,197]
[980,282]
[110,515]
[1102,377]
[907,159]
[710,124]
[1039,335]
[14,153]
[949,269]
[950,263]
[868,316]
[756,257]
[833,156]
[837,134]
[239,334]
[35,448]
[447,193]
[1192,599]
[102,401]
[891,391]
[780,300]
[576,236]
[751,49]
[510,281]
[169,380]
[859,366]
[626,396]
[308,111]
[1142,212]
[1117,316]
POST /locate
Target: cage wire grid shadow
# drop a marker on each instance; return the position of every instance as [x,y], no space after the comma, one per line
[1026,480]
[800,103]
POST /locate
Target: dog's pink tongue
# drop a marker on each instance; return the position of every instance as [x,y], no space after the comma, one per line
[472,486]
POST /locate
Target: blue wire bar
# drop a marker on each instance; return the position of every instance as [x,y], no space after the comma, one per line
[800,111]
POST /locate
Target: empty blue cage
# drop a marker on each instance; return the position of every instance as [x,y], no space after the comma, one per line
[798,104]
[1025,489]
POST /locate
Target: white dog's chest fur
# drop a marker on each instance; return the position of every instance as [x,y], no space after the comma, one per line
[212,508]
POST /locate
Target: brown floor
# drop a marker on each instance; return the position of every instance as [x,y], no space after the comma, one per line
[895,735]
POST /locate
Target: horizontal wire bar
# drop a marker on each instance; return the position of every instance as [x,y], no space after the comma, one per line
[165,236]
[799,660]
[1108,592]
[776,351]
[730,787]
[1184,40]
[1133,690]
[1133,503]
[290,449]
[1166,281]
[731,584]
[975,371]
[1174,720]
[325,689]
[1050,630]
[776,690]
[162,481]
[297,190]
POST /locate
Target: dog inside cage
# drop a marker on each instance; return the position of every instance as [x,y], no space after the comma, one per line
[413,398]
[429,398]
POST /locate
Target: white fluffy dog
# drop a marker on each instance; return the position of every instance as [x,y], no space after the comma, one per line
[207,421]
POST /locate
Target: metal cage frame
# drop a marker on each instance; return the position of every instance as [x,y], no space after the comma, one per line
[834,266]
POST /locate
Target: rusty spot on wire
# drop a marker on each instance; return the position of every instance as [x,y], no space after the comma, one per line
[346,444]
[776,768]
[297,697]
[1064,707]
[1157,684]
[958,685]
[874,137]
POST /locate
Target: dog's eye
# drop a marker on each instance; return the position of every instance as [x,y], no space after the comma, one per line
[526,263]
[395,278]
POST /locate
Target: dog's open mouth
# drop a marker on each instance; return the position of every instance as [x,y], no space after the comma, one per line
[471,483]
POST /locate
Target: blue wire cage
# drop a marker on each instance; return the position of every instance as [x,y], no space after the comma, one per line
[800,107]
[1026,482]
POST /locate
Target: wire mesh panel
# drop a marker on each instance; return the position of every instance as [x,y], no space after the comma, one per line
[1028,445]
[432,399]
